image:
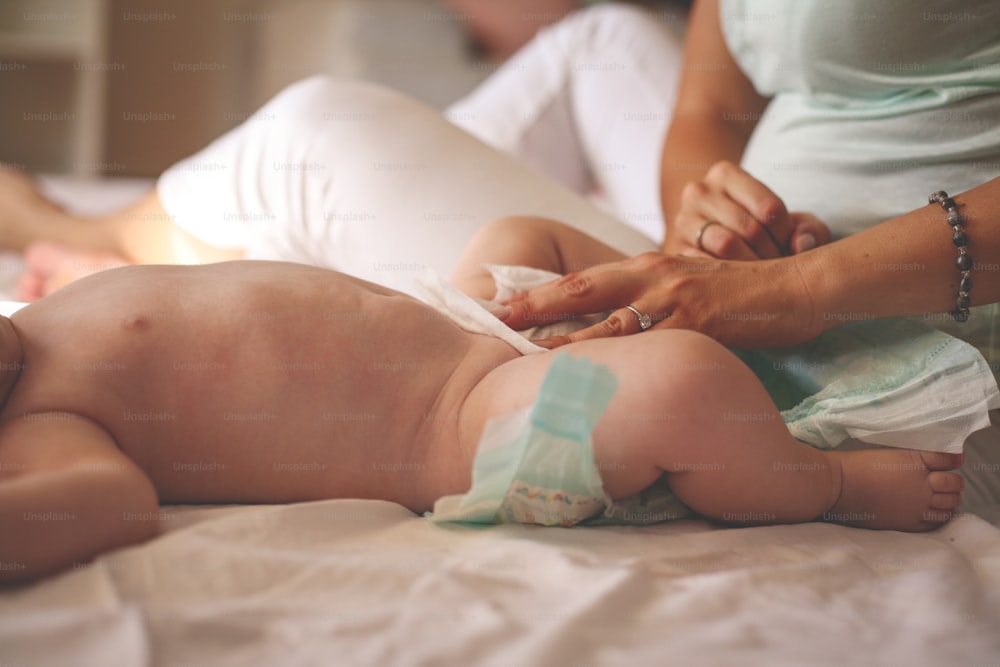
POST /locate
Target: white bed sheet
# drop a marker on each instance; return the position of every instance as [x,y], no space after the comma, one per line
[351,582]
[369,583]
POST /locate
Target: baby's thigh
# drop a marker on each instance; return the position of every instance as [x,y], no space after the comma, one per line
[671,385]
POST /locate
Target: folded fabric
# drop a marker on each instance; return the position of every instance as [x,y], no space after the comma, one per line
[892,382]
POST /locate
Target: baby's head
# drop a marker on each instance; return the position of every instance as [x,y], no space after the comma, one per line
[11,357]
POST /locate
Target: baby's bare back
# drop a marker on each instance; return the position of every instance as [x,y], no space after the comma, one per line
[258,381]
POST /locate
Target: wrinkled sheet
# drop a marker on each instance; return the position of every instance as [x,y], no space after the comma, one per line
[354,582]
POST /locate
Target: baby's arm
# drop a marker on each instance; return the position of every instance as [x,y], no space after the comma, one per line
[67,494]
[526,241]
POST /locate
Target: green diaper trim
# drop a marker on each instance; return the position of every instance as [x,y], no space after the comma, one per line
[573,397]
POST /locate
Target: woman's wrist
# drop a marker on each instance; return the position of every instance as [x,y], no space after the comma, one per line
[792,291]
[906,266]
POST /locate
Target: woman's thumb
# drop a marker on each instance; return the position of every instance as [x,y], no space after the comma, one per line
[809,233]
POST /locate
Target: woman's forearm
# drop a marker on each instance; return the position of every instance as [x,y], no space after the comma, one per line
[717,110]
[906,266]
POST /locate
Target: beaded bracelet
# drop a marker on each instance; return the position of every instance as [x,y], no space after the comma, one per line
[964,261]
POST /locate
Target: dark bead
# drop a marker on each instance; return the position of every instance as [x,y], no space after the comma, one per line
[937,196]
[948,204]
[963,302]
[964,262]
[960,315]
[955,218]
[965,285]
[959,238]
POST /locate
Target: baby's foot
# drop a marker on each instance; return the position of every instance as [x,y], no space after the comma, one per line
[51,266]
[22,204]
[896,489]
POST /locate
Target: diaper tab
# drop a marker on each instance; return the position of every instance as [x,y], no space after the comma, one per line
[572,398]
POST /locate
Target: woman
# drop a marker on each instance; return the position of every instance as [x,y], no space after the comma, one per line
[869,108]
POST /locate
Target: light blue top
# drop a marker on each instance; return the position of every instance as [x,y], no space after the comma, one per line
[876,104]
[867,58]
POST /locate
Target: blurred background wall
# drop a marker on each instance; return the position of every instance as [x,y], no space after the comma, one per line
[127,87]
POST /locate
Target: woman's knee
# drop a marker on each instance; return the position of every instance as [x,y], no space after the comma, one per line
[305,91]
[324,99]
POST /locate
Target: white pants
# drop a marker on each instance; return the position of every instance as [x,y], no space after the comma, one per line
[369,182]
[588,103]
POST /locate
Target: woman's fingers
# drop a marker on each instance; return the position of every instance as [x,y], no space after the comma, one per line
[730,215]
[621,322]
[714,238]
[752,211]
[589,291]
[607,287]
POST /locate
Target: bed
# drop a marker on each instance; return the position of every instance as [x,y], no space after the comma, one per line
[353,582]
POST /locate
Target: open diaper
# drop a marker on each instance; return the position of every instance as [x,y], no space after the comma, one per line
[892,382]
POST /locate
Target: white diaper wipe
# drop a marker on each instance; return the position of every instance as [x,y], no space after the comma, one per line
[892,382]
[474,314]
[8,308]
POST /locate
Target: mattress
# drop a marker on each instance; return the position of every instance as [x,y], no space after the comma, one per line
[363,582]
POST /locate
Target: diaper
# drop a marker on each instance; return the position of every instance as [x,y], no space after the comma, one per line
[890,382]
[536,466]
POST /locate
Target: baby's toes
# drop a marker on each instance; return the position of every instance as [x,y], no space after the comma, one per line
[945,482]
[945,501]
[942,461]
[947,490]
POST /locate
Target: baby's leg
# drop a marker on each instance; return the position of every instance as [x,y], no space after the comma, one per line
[688,407]
[527,241]
[67,494]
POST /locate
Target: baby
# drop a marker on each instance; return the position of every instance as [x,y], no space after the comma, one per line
[261,382]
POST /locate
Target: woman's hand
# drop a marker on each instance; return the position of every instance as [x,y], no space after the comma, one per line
[731,215]
[740,304]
